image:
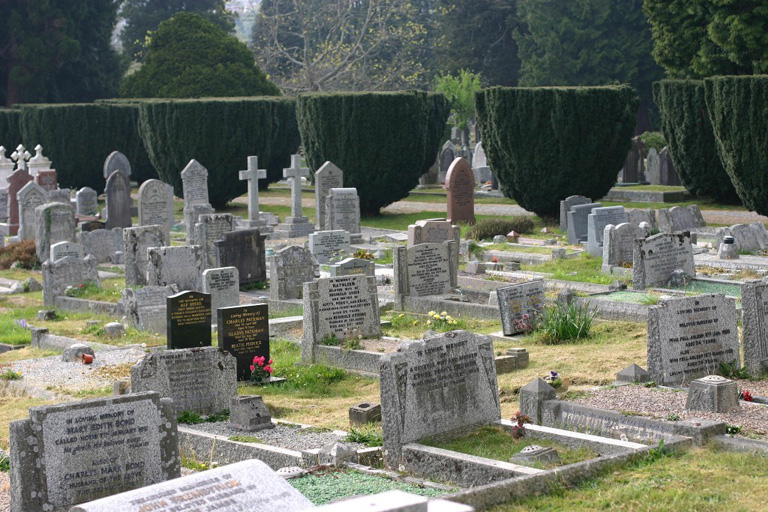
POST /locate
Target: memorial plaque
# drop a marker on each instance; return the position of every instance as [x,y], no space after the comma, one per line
[656,257]
[16,181]
[244,333]
[326,245]
[342,210]
[518,300]
[68,271]
[353,267]
[460,184]
[104,244]
[66,249]
[432,231]
[328,176]
[619,244]
[447,156]
[244,250]
[224,286]
[754,307]
[189,320]
[425,269]
[690,337]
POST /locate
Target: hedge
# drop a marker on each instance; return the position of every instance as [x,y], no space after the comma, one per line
[548,143]
[688,130]
[382,141]
[738,110]
[220,133]
[10,136]
[79,137]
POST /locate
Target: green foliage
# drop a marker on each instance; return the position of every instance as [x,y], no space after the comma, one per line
[245,439]
[369,435]
[488,228]
[190,57]
[548,143]
[220,133]
[565,322]
[733,370]
[364,134]
[10,136]
[737,109]
[10,375]
[5,464]
[193,418]
[653,140]
[460,91]
[692,145]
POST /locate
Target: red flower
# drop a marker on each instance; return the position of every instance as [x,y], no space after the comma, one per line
[746,396]
[253,367]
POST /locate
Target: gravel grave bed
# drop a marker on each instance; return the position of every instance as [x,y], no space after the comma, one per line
[5,492]
[284,436]
[662,403]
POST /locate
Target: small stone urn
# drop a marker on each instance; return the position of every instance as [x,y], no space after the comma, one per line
[728,249]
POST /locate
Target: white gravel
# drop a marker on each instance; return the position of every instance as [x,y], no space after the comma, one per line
[5,492]
[284,436]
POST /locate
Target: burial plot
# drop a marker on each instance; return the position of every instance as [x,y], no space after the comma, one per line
[79,451]
[460,184]
[327,245]
[136,241]
[57,275]
[103,244]
[244,250]
[87,201]
[224,286]
[754,307]
[117,195]
[116,161]
[690,337]
[342,210]
[519,304]
[425,269]
[200,380]
[156,205]
[435,386]
[180,265]
[16,182]
[680,218]
[619,243]
[145,308]
[566,205]
[188,317]
[656,257]
[244,333]
[289,269]
[353,267]
[328,176]
[54,222]
[447,156]
[61,250]
[29,197]
[577,222]
[210,228]
[596,222]
[344,307]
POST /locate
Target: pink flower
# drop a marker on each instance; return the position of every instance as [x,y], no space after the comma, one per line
[268,369]
[270,362]
[253,367]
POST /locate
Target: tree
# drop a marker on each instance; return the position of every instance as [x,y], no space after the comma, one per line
[700,38]
[57,50]
[460,91]
[143,17]
[588,42]
[322,45]
[190,57]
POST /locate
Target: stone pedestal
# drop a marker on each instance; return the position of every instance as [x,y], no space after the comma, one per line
[294,227]
[532,398]
[249,413]
[713,393]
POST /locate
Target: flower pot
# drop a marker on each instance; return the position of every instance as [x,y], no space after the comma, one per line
[87,359]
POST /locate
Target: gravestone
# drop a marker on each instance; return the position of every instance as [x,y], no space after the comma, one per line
[713,393]
[596,222]
[754,307]
[6,167]
[434,231]
[21,156]
[66,249]
[619,244]
[192,216]
[669,175]
[244,333]
[3,208]
[637,216]
[223,284]
[296,225]
[425,269]
[156,205]
[57,275]
[345,307]
[353,267]
[680,218]
[118,198]
[54,222]
[342,210]
[47,180]
[653,167]
[566,205]
[289,269]
[16,182]
[136,241]
[200,380]
[194,180]
[252,175]
[210,228]
[103,244]
[519,304]
[656,257]
[328,176]
[188,316]
[244,250]
[87,201]
[480,164]
[29,197]
[441,384]
[59,195]
[145,307]
[39,162]
[79,451]
[634,165]
[447,156]
[689,337]
[460,184]
[249,485]
[747,237]
[577,216]
[327,245]
[116,161]
[179,265]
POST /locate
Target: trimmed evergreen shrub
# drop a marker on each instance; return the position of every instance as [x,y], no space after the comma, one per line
[488,228]
[692,146]
[79,137]
[10,136]
[382,141]
[220,133]
[548,143]
[738,110]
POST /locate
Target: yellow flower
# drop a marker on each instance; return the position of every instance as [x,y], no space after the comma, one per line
[415,322]
[429,322]
[431,313]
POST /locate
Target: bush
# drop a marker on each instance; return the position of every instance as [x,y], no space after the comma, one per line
[382,141]
[692,145]
[10,136]
[548,143]
[24,252]
[653,140]
[565,322]
[220,133]
[79,137]
[737,109]
[488,228]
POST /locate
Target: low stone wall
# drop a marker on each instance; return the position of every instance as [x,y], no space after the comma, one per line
[204,447]
[614,310]
[83,305]
[598,444]
[453,308]
[355,360]
[622,194]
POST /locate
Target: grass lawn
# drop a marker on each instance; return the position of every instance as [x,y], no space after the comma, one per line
[586,269]
[414,325]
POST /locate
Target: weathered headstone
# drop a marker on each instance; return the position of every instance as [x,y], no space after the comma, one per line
[63,249]
[54,222]
[689,337]
[103,244]
[434,231]
[136,241]
[596,222]
[224,286]
[244,333]
[194,180]
[425,269]
[577,222]
[16,182]
[327,245]
[634,165]
[116,161]
[637,216]
[460,184]
[437,385]
[353,267]
[210,228]
[156,205]
[656,257]
[713,393]
[653,167]
[519,304]
[566,205]
[47,179]
[480,164]
[145,307]
[57,275]
[192,216]
[200,380]
[289,269]
[252,175]
[60,195]
[747,237]
[619,244]
[87,201]
[188,316]
[79,451]
[296,225]
[680,218]
[328,176]
[29,197]
[754,307]
[179,265]
[447,156]
[6,168]
[118,199]
[342,210]
[669,175]
[243,250]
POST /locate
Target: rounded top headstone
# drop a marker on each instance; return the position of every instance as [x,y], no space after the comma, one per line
[116,161]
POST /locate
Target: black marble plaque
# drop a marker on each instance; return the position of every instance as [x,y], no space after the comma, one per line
[189,320]
[244,250]
[244,333]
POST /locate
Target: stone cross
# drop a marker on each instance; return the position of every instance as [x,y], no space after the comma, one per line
[296,171]
[253,175]
[20,156]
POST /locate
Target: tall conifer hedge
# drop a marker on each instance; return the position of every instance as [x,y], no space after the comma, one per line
[547,143]
[10,136]
[688,130]
[220,133]
[738,110]
[382,141]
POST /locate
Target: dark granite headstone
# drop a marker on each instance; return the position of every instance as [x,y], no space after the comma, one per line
[243,250]
[244,333]
[189,320]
